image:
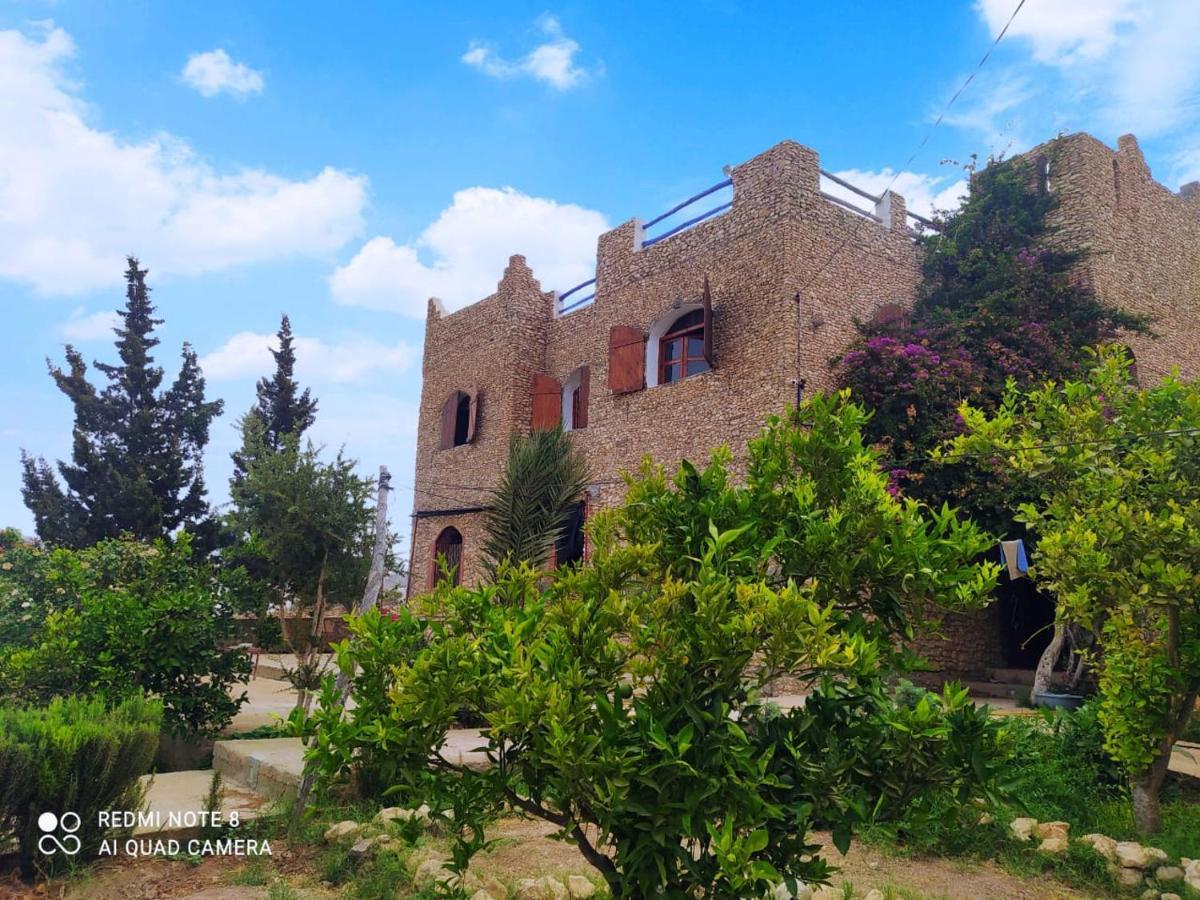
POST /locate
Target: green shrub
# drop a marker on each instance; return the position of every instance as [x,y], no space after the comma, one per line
[622,699]
[126,617]
[76,755]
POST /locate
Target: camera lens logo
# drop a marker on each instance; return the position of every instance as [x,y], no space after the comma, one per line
[49,843]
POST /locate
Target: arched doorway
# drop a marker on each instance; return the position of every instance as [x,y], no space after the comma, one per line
[447,554]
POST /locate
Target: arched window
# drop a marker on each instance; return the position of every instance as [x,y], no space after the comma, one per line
[447,554]
[459,414]
[681,349]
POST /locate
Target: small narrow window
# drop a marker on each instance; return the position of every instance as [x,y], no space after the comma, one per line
[575,399]
[459,414]
[462,420]
[681,350]
[569,547]
[447,557]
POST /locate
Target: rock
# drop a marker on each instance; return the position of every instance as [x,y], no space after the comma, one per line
[364,847]
[800,892]
[432,871]
[578,886]
[1127,877]
[1102,844]
[1132,855]
[1193,881]
[874,894]
[390,814]
[1054,844]
[544,888]
[1169,896]
[343,832]
[1155,854]
[1052,829]
[1169,873]
[491,887]
[985,819]
[1022,828]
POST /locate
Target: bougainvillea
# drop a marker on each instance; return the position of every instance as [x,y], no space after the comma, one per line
[997,303]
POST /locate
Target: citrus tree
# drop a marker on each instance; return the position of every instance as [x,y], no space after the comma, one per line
[1118,523]
[622,700]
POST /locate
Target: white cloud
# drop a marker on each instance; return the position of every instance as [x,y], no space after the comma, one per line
[468,247]
[90,326]
[922,193]
[247,355]
[74,199]
[214,72]
[1064,32]
[552,62]
[1116,65]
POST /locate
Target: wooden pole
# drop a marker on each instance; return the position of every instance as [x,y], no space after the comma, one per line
[369,598]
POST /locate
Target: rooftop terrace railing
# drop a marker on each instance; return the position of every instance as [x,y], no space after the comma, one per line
[567,301]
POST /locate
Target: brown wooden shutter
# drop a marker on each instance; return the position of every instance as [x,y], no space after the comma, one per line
[547,403]
[626,359]
[706,305]
[473,416]
[449,411]
[585,384]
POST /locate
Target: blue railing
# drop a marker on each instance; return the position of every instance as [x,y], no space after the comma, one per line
[695,220]
[564,307]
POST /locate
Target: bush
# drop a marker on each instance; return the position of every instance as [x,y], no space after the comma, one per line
[76,755]
[125,617]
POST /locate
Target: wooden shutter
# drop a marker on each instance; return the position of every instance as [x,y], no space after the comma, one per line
[585,383]
[706,305]
[473,416]
[449,411]
[547,403]
[626,359]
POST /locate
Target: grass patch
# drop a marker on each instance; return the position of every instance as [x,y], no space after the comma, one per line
[252,874]
[1059,771]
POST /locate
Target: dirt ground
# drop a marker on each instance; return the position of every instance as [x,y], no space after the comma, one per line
[524,850]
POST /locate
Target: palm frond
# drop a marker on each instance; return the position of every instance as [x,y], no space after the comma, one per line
[544,477]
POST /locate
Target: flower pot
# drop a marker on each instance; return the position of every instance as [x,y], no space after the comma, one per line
[1059,701]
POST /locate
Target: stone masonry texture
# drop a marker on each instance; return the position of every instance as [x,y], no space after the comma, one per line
[790,273]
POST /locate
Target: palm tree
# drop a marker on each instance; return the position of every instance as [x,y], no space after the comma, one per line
[543,479]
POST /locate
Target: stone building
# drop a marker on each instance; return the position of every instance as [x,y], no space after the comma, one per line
[693,336]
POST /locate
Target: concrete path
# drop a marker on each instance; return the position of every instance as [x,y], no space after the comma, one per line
[175,800]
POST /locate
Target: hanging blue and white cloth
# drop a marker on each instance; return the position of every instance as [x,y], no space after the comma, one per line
[1013,558]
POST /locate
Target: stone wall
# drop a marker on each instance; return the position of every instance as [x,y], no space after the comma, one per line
[1142,242]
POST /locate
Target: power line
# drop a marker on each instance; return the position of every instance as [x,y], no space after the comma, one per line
[920,146]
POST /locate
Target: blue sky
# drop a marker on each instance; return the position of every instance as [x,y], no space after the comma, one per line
[344,166]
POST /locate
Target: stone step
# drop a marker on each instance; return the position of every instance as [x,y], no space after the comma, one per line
[1021,676]
[271,767]
[175,800]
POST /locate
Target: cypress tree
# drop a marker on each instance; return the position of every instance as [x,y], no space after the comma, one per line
[282,410]
[137,451]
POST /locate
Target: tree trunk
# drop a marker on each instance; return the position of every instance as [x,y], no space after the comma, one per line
[306,660]
[369,598]
[1045,666]
[1144,788]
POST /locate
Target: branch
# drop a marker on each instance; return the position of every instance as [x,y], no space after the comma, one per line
[597,859]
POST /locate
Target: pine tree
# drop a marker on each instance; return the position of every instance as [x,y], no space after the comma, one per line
[137,451]
[282,410]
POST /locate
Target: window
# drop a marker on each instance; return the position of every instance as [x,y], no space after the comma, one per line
[447,555]
[681,350]
[462,420]
[569,547]
[575,399]
[460,413]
